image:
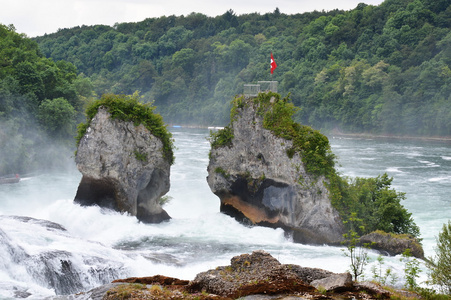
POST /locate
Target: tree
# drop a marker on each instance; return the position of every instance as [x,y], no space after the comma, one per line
[57,117]
[440,266]
[377,205]
[357,252]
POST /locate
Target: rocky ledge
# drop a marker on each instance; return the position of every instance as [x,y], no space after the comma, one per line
[393,244]
[123,167]
[248,277]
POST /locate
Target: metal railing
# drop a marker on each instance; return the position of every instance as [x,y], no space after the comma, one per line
[252,90]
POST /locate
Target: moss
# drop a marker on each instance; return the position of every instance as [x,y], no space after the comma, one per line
[128,108]
[221,171]
[140,156]
[221,138]
[312,146]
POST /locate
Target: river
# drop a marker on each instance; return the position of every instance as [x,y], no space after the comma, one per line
[72,248]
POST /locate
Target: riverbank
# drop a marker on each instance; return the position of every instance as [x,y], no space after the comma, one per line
[338,133]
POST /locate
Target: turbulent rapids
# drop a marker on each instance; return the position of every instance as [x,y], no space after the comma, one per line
[50,246]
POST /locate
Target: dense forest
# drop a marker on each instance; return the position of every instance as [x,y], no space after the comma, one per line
[379,69]
[41,102]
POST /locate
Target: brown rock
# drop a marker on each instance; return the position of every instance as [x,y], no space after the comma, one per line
[393,244]
[157,279]
[335,283]
[257,273]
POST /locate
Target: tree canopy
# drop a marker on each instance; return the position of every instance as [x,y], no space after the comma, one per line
[40,103]
[379,69]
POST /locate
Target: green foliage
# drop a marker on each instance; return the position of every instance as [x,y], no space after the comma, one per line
[440,265]
[221,138]
[370,200]
[140,156]
[357,253]
[374,202]
[379,69]
[165,200]
[128,108]
[383,277]
[223,172]
[312,146]
[57,117]
[411,270]
[39,105]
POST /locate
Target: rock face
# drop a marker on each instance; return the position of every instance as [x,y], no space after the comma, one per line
[258,183]
[123,168]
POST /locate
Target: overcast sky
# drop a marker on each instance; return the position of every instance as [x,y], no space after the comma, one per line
[37,17]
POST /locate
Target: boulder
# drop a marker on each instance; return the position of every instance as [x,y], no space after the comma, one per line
[123,168]
[334,283]
[260,183]
[393,244]
[250,274]
[307,274]
[372,288]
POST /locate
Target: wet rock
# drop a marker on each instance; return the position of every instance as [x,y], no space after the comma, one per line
[259,183]
[372,288]
[255,276]
[334,283]
[157,279]
[123,168]
[309,274]
[250,274]
[393,244]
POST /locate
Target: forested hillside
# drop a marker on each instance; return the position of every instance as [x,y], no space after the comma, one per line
[380,69]
[40,104]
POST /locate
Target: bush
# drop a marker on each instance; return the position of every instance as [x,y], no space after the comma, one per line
[440,266]
[375,203]
[129,109]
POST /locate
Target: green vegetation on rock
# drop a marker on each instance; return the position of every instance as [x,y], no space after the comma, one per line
[221,137]
[375,202]
[128,108]
[372,201]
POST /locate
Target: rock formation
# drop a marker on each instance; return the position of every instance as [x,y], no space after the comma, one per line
[393,244]
[123,168]
[249,277]
[249,274]
[259,182]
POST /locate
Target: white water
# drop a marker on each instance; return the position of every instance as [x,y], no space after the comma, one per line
[102,245]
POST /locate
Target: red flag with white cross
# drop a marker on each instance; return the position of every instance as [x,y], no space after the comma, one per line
[273,64]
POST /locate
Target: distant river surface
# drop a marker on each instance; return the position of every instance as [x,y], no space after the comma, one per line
[99,245]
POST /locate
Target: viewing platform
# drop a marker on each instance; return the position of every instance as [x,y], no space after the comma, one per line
[252,90]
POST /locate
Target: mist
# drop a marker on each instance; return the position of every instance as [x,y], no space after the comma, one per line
[25,148]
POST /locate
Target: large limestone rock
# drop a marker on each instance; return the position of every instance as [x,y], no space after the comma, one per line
[123,168]
[258,183]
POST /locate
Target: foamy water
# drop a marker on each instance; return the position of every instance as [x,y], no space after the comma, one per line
[105,244]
